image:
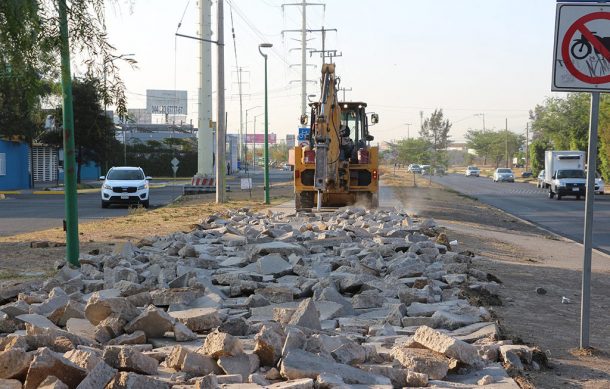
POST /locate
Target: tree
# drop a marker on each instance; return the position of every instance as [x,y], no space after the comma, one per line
[563,124]
[435,130]
[537,149]
[278,152]
[94,132]
[414,150]
[495,144]
[29,58]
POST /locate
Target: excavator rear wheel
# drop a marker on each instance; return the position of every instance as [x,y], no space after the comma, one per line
[303,201]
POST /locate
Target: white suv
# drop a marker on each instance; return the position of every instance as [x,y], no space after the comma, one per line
[125,185]
[472,171]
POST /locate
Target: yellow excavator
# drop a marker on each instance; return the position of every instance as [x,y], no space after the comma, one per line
[335,165]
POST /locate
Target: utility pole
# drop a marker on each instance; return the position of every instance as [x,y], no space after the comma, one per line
[483,116]
[527,145]
[242,141]
[205,132]
[408,130]
[71,201]
[220,118]
[343,90]
[421,121]
[506,141]
[304,4]
[324,53]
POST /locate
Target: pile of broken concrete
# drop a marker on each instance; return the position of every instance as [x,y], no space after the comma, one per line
[354,298]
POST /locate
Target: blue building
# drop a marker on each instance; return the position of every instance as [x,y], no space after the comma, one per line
[43,163]
[14,165]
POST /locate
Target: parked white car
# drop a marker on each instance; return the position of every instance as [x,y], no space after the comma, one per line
[599,185]
[472,171]
[504,174]
[125,185]
[541,183]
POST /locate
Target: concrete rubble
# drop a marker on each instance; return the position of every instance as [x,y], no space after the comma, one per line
[371,298]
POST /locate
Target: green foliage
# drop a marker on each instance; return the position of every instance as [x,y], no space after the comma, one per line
[435,130]
[414,150]
[94,134]
[493,145]
[537,149]
[29,59]
[563,124]
[278,152]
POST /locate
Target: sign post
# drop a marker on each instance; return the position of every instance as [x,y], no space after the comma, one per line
[581,63]
[175,162]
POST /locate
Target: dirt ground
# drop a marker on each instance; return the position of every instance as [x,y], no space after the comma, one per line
[19,261]
[520,255]
[524,258]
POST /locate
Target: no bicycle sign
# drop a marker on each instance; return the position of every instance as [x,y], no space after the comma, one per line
[581,59]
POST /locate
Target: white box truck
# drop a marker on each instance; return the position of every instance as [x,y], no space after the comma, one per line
[564,173]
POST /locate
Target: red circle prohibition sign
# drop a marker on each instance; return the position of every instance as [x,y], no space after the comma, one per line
[579,25]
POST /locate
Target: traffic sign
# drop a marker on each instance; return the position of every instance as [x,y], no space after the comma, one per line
[581,58]
[175,161]
[303,134]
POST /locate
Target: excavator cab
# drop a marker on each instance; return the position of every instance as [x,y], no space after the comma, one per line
[336,165]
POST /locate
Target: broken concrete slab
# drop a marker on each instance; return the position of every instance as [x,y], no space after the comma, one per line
[154,322]
[425,361]
[218,344]
[125,380]
[306,315]
[302,364]
[198,319]
[447,345]
[14,363]
[99,307]
[273,264]
[129,359]
[98,377]
[46,363]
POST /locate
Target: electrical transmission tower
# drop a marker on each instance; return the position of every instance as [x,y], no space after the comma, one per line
[345,90]
[304,4]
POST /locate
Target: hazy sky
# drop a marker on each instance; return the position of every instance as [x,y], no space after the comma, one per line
[467,57]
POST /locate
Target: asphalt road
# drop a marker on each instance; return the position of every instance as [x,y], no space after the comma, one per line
[29,212]
[564,217]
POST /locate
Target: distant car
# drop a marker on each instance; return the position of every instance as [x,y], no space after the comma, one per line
[540,183]
[472,171]
[599,185]
[414,168]
[440,171]
[504,174]
[526,174]
[125,185]
[426,170]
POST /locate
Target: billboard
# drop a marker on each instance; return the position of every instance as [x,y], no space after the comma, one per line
[290,139]
[170,102]
[260,138]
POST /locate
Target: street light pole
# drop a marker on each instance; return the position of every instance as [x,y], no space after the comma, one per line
[267,197]
[408,130]
[246,138]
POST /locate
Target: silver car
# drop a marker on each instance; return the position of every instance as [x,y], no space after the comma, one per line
[472,171]
[504,175]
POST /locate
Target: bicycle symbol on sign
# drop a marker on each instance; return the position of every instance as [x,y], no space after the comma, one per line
[581,48]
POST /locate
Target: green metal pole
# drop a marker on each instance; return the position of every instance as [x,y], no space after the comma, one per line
[267,200]
[72,249]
